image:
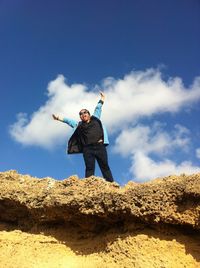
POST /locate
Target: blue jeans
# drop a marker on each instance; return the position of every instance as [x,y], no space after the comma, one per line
[98,152]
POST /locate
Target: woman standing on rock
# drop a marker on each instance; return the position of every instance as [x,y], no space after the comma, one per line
[90,138]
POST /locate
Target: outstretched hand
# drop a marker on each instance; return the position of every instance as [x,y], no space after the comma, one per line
[55,117]
[102,96]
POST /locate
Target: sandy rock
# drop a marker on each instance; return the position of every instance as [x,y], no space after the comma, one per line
[94,203]
[93,223]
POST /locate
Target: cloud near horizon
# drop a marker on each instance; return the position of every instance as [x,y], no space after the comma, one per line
[140,94]
[145,168]
[142,144]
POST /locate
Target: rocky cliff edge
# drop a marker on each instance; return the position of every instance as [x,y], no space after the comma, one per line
[93,203]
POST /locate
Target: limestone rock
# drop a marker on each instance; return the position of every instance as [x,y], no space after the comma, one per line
[93,203]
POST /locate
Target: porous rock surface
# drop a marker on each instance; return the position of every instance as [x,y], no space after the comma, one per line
[93,203]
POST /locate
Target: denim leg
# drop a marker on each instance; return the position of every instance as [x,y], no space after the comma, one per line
[89,159]
[102,159]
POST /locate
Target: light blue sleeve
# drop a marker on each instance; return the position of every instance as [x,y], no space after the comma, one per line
[105,134]
[72,123]
[97,113]
[98,109]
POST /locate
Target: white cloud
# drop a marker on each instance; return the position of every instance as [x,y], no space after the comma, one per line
[198,153]
[137,95]
[151,139]
[145,93]
[140,142]
[41,129]
[144,168]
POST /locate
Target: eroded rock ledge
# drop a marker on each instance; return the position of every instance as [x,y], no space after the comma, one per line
[93,203]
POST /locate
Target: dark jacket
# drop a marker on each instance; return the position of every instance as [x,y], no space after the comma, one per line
[74,144]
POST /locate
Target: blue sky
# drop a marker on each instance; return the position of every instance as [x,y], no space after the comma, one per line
[56,55]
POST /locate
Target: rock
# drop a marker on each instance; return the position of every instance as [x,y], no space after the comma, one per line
[93,203]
